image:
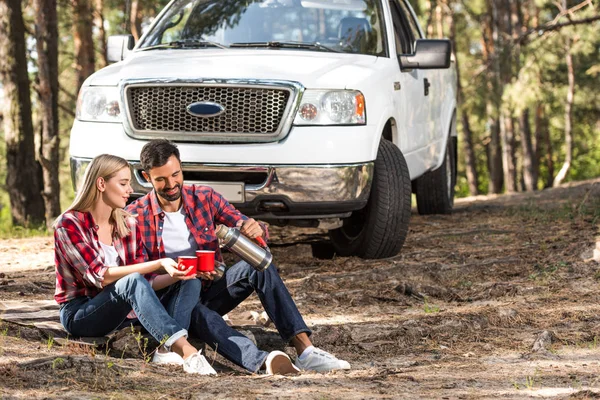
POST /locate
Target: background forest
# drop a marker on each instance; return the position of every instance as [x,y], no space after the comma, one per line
[529,110]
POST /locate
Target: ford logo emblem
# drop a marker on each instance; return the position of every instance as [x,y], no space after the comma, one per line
[205,109]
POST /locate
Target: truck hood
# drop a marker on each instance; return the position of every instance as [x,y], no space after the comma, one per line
[312,69]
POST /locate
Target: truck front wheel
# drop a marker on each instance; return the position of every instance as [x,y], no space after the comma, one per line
[379,229]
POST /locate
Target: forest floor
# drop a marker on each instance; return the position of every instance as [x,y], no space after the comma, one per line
[500,299]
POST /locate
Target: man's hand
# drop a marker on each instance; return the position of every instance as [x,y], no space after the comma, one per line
[250,228]
[209,276]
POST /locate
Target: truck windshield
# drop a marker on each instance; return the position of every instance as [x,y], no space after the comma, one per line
[351,26]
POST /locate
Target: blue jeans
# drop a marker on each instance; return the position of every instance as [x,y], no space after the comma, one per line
[108,310]
[239,282]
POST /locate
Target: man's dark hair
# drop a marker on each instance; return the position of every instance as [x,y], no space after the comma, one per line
[156,153]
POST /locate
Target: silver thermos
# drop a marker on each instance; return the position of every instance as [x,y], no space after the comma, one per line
[233,240]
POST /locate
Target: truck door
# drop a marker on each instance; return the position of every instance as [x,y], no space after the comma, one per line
[411,90]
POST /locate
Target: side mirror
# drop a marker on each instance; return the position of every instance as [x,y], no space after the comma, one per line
[429,54]
[118,46]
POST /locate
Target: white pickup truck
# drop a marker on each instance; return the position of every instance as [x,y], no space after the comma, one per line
[322,113]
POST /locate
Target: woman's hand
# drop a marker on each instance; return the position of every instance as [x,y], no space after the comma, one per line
[170,267]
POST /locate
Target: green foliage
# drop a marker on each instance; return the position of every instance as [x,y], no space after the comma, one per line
[430,309]
[57,362]
[50,342]
[539,76]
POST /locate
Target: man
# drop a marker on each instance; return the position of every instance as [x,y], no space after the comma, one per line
[176,220]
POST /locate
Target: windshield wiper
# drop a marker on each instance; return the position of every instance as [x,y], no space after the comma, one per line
[293,45]
[180,44]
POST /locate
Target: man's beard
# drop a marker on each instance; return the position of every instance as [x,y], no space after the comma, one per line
[170,197]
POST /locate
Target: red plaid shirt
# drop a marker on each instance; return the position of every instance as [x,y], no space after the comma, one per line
[79,258]
[203,207]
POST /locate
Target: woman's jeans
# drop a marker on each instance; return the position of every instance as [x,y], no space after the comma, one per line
[166,319]
[222,296]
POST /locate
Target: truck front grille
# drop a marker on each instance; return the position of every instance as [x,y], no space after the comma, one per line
[158,108]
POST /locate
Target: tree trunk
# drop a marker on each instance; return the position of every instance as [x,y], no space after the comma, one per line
[439,21]
[568,117]
[99,25]
[542,140]
[507,136]
[134,20]
[83,40]
[494,148]
[494,154]
[46,33]
[467,134]
[529,158]
[429,25]
[23,173]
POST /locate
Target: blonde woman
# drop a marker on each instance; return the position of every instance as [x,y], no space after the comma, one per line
[101,264]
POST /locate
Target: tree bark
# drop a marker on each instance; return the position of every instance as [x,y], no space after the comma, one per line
[542,141]
[494,154]
[507,136]
[83,40]
[568,117]
[431,10]
[46,33]
[99,24]
[467,134]
[439,16]
[134,20]
[23,174]
[529,157]
[494,148]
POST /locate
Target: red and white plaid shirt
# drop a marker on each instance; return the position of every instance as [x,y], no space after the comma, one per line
[203,207]
[79,258]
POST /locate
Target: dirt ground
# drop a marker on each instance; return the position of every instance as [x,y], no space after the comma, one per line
[498,300]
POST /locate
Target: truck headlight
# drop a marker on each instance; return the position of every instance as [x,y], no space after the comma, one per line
[331,107]
[99,104]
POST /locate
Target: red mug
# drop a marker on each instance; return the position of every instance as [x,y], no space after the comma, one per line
[206,260]
[184,262]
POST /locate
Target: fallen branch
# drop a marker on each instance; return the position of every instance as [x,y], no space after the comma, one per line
[72,361]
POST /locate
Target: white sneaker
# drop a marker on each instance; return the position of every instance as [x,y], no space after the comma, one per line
[167,358]
[279,363]
[321,361]
[197,364]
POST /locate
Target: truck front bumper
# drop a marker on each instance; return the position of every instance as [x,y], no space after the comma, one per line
[271,191]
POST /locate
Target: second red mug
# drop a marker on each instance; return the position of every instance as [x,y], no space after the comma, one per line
[206,260]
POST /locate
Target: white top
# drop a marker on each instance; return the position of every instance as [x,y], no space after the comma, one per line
[177,239]
[111,257]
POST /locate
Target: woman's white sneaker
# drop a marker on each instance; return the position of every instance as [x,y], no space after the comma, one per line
[197,364]
[167,358]
[321,361]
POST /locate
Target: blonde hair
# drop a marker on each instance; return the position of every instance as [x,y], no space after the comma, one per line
[103,166]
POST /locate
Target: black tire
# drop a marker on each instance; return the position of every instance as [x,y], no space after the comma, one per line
[379,230]
[435,189]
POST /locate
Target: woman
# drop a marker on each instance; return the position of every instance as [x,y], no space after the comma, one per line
[100,268]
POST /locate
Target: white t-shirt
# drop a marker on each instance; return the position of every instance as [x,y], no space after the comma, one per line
[177,239]
[111,257]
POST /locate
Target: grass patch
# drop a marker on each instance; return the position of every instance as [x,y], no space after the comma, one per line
[430,308]
[587,207]
[8,231]
[545,272]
